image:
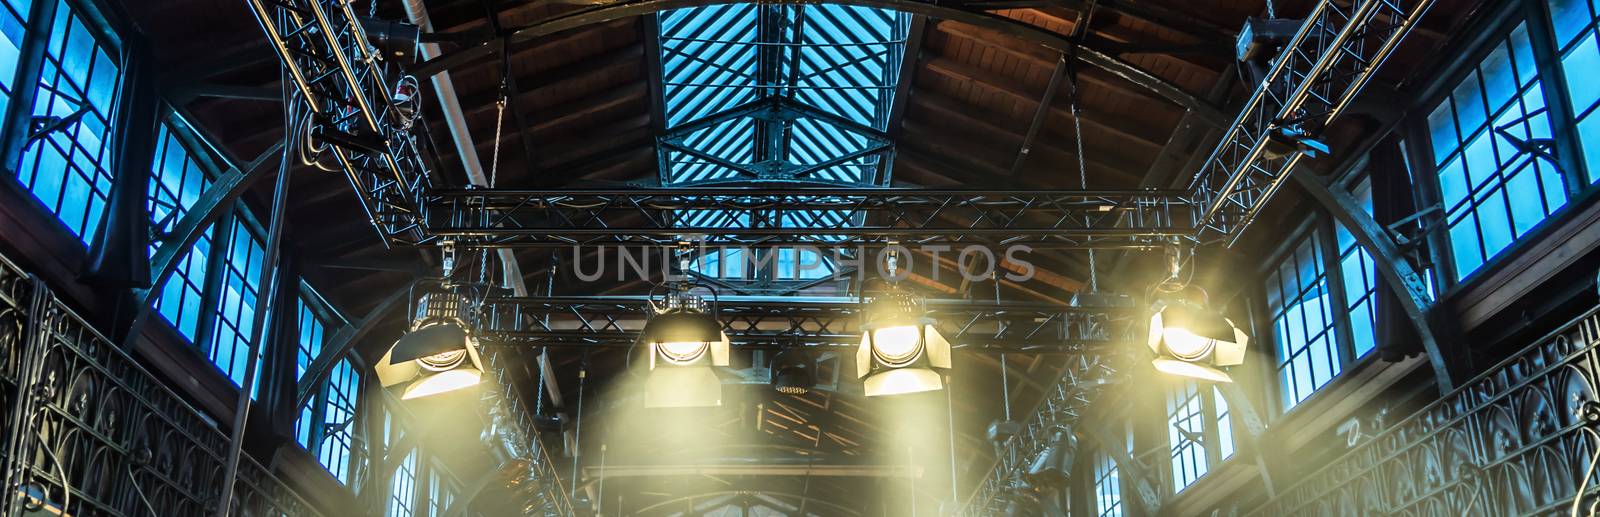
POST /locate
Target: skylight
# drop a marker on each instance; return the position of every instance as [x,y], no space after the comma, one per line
[790,93]
[775,92]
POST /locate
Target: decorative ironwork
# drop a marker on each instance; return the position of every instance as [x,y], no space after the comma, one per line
[89,432]
[1314,79]
[1517,440]
[757,321]
[661,217]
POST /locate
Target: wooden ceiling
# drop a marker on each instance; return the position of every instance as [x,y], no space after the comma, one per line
[581,115]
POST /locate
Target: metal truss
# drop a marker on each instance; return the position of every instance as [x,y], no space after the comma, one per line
[325,51]
[1067,400]
[87,431]
[336,70]
[773,321]
[654,217]
[1315,79]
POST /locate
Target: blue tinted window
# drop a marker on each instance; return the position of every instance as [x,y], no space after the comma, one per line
[13,23]
[69,169]
[1493,187]
[442,490]
[1303,321]
[1358,275]
[1577,43]
[1186,419]
[307,347]
[338,420]
[1107,487]
[833,67]
[236,300]
[403,488]
[176,181]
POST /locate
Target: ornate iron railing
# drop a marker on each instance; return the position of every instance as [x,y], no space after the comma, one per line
[88,431]
[1517,440]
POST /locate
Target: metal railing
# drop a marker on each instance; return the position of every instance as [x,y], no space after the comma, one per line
[1517,440]
[88,431]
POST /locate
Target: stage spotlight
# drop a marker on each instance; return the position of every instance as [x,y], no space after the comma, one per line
[685,344]
[792,373]
[901,351]
[1190,341]
[1052,467]
[438,356]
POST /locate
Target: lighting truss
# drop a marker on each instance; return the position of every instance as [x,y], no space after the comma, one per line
[661,217]
[1062,406]
[340,74]
[1314,80]
[753,321]
[1329,60]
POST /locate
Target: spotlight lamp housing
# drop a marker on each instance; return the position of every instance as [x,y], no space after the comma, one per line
[685,344]
[793,372]
[1052,467]
[901,351]
[1191,341]
[437,356]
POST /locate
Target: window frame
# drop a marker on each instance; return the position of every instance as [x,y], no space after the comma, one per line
[26,88]
[1490,30]
[1321,227]
[1209,395]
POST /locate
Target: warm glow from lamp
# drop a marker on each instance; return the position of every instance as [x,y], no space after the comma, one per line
[1191,370]
[1187,345]
[443,382]
[897,345]
[682,352]
[902,381]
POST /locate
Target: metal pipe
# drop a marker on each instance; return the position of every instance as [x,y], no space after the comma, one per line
[264,304]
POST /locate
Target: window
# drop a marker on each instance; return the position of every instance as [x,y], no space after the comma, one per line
[236,307]
[442,490]
[1576,42]
[1107,487]
[834,81]
[403,487]
[1358,277]
[68,169]
[1493,188]
[1199,432]
[307,348]
[1302,321]
[338,419]
[176,181]
[13,24]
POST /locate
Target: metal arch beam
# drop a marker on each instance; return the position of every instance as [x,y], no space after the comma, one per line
[1115,445]
[213,203]
[1029,33]
[341,343]
[1397,272]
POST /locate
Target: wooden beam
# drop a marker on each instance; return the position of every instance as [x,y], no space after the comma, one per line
[1116,126]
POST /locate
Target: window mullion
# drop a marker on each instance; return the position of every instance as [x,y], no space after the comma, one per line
[1333,275]
[1553,84]
[216,264]
[1425,181]
[30,62]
